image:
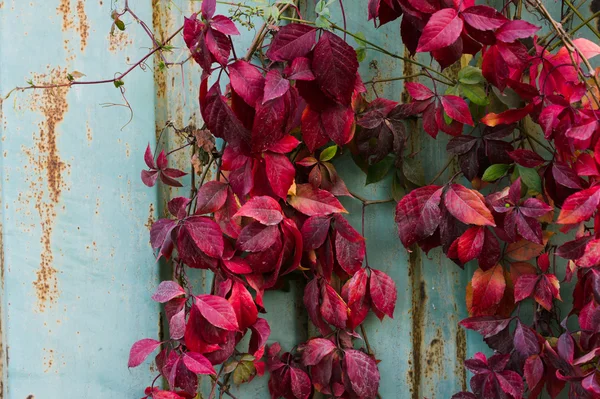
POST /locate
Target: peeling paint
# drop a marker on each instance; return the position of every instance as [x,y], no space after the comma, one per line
[151,218]
[46,183]
[64,9]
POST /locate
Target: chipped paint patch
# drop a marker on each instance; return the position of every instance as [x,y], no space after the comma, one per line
[45,177]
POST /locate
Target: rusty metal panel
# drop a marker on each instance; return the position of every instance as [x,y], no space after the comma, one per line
[78,269]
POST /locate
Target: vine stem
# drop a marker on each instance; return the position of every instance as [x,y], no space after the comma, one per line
[94,82]
[216,382]
[448,80]
[437,176]
[367,202]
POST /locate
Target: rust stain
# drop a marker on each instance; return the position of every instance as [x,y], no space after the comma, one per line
[461,356]
[64,8]
[1,290]
[160,23]
[48,359]
[419,298]
[409,69]
[46,182]
[118,41]
[151,218]
[434,359]
[84,26]
[89,133]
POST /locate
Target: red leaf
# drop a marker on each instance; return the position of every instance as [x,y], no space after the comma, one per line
[280,173]
[224,25]
[483,18]
[149,158]
[362,372]
[443,28]
[263,209]
[211,197]
[580,206]
[314,231]
[300,70]
[533,370]
[418,214]
[247,81]
[220,119]
[315,350]
[219,46]
[514,30]
[333,307]
[457,109]
[260,333]
[525,285]
[217,311]
[495,70]
[286,144]
[526,158]
[335,65]
[383,292]
[507,117]
[243,306]
[300,383]
[349,254]
[418,91]
[315,202]
[468,206]
[470,244]
[166,291]
[487,326]
[488,289]
[208,9]
[292,41]
[198,364]
[256,237]
[275,86]
[583,132]
[140,351]
[160,236]
[205,234]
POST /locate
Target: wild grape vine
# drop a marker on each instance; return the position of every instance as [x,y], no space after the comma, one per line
[523,114]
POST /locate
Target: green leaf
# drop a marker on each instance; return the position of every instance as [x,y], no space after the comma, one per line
[360,39]
[495,172]
[453,90]
[120,24]
[322,22]
[531,178]
[118,83]
[361,54]
[447,119]
[470,75]
[243,372]
[397,190]
[378,171]
[475,93]
[413,171]
[328,153]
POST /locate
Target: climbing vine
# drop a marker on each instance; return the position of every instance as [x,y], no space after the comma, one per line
[523,113]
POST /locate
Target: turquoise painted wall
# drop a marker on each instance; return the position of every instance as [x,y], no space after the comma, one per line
[77,269]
